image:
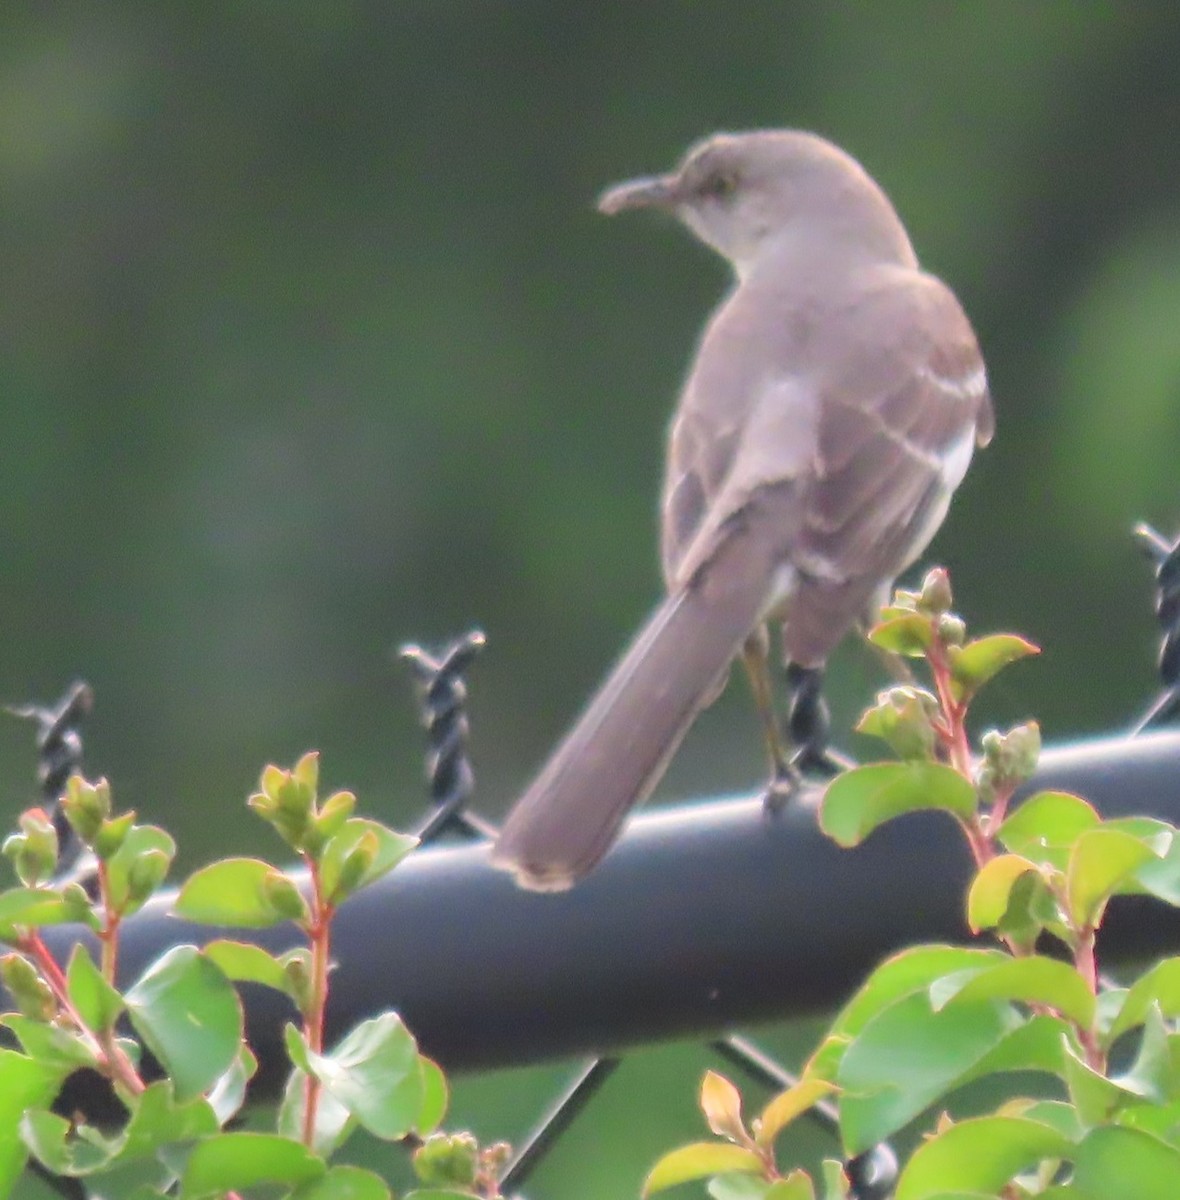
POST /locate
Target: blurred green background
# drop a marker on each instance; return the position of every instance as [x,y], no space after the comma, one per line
[312,343]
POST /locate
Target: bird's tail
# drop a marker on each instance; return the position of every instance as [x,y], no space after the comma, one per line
[618,749]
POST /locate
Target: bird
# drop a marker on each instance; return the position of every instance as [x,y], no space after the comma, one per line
[833,406]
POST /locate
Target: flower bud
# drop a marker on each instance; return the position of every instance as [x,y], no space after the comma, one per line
[935,596]
[447,1160]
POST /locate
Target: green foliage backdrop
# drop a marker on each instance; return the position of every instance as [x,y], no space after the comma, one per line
[311,342]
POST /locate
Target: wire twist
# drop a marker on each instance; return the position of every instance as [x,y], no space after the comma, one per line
[59,755]
[1165,557]
[442,699]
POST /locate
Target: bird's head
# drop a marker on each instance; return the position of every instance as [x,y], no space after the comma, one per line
[738,192]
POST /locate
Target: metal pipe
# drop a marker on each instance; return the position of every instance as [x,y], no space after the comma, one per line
[706,917]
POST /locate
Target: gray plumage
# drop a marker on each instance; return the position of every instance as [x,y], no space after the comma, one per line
[832,408]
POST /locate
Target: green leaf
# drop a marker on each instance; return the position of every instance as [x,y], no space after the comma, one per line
[979,1155]
[903,974]
[1160,1120]
[334,1124]
[158,1119]
[228,1094]
[721,1103]
[346,1183]
[124,882]
[390,849]
[231,892]
[375,1074]
[148,1191]
[235,1161]
[189,1015]
[977,662]
[1093,1096]
[1160,985]
[1032,909]
[1158,876]
[789,1104]
[31,908]
[910,634]
[825,1060]
[1153,1073]
[246,963]
[62,1148]
[1031,980]
[1032,1045]
[857,801]
[991,890]
[1046,825]
[55,1048]
[435,1096]
[1055,1113]
[1037,1045]
[975,1196]
[796,1186]
[297,1048]
[99,1004]
[908,1057]
[1110,1003]
[835,1180]
[1100,862]
[1114,1163]
[1159,835]
[699,1160]
[732,1185]
[27,1085]
[437,1194]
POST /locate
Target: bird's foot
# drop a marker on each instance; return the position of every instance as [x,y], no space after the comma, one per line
[808,768]
[782,787]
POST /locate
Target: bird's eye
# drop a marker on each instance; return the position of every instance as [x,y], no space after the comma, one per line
[718,185]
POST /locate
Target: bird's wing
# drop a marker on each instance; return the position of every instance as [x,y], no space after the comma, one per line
[702,441]
[856,434]
[742,414]
[900,413]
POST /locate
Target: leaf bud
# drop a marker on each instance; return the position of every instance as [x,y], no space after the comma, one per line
[447,1160]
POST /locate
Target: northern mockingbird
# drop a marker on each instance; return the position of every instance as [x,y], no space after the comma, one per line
[836,398]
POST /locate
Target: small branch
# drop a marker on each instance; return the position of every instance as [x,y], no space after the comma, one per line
[319,938]
[111,1059]
[954,712]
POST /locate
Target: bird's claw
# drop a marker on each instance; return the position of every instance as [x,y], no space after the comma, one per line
[807,767]
[781,788]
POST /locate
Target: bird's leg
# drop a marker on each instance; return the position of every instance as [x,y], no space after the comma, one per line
[784,778]
[809,723]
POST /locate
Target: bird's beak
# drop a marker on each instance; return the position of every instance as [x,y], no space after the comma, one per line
[652,191]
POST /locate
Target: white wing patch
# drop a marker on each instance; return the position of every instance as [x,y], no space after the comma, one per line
[956,458]
[962,387]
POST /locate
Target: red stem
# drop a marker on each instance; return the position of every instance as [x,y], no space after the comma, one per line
[319,938]
[108,936]
[981,830]
[954,711]
[111,1057]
